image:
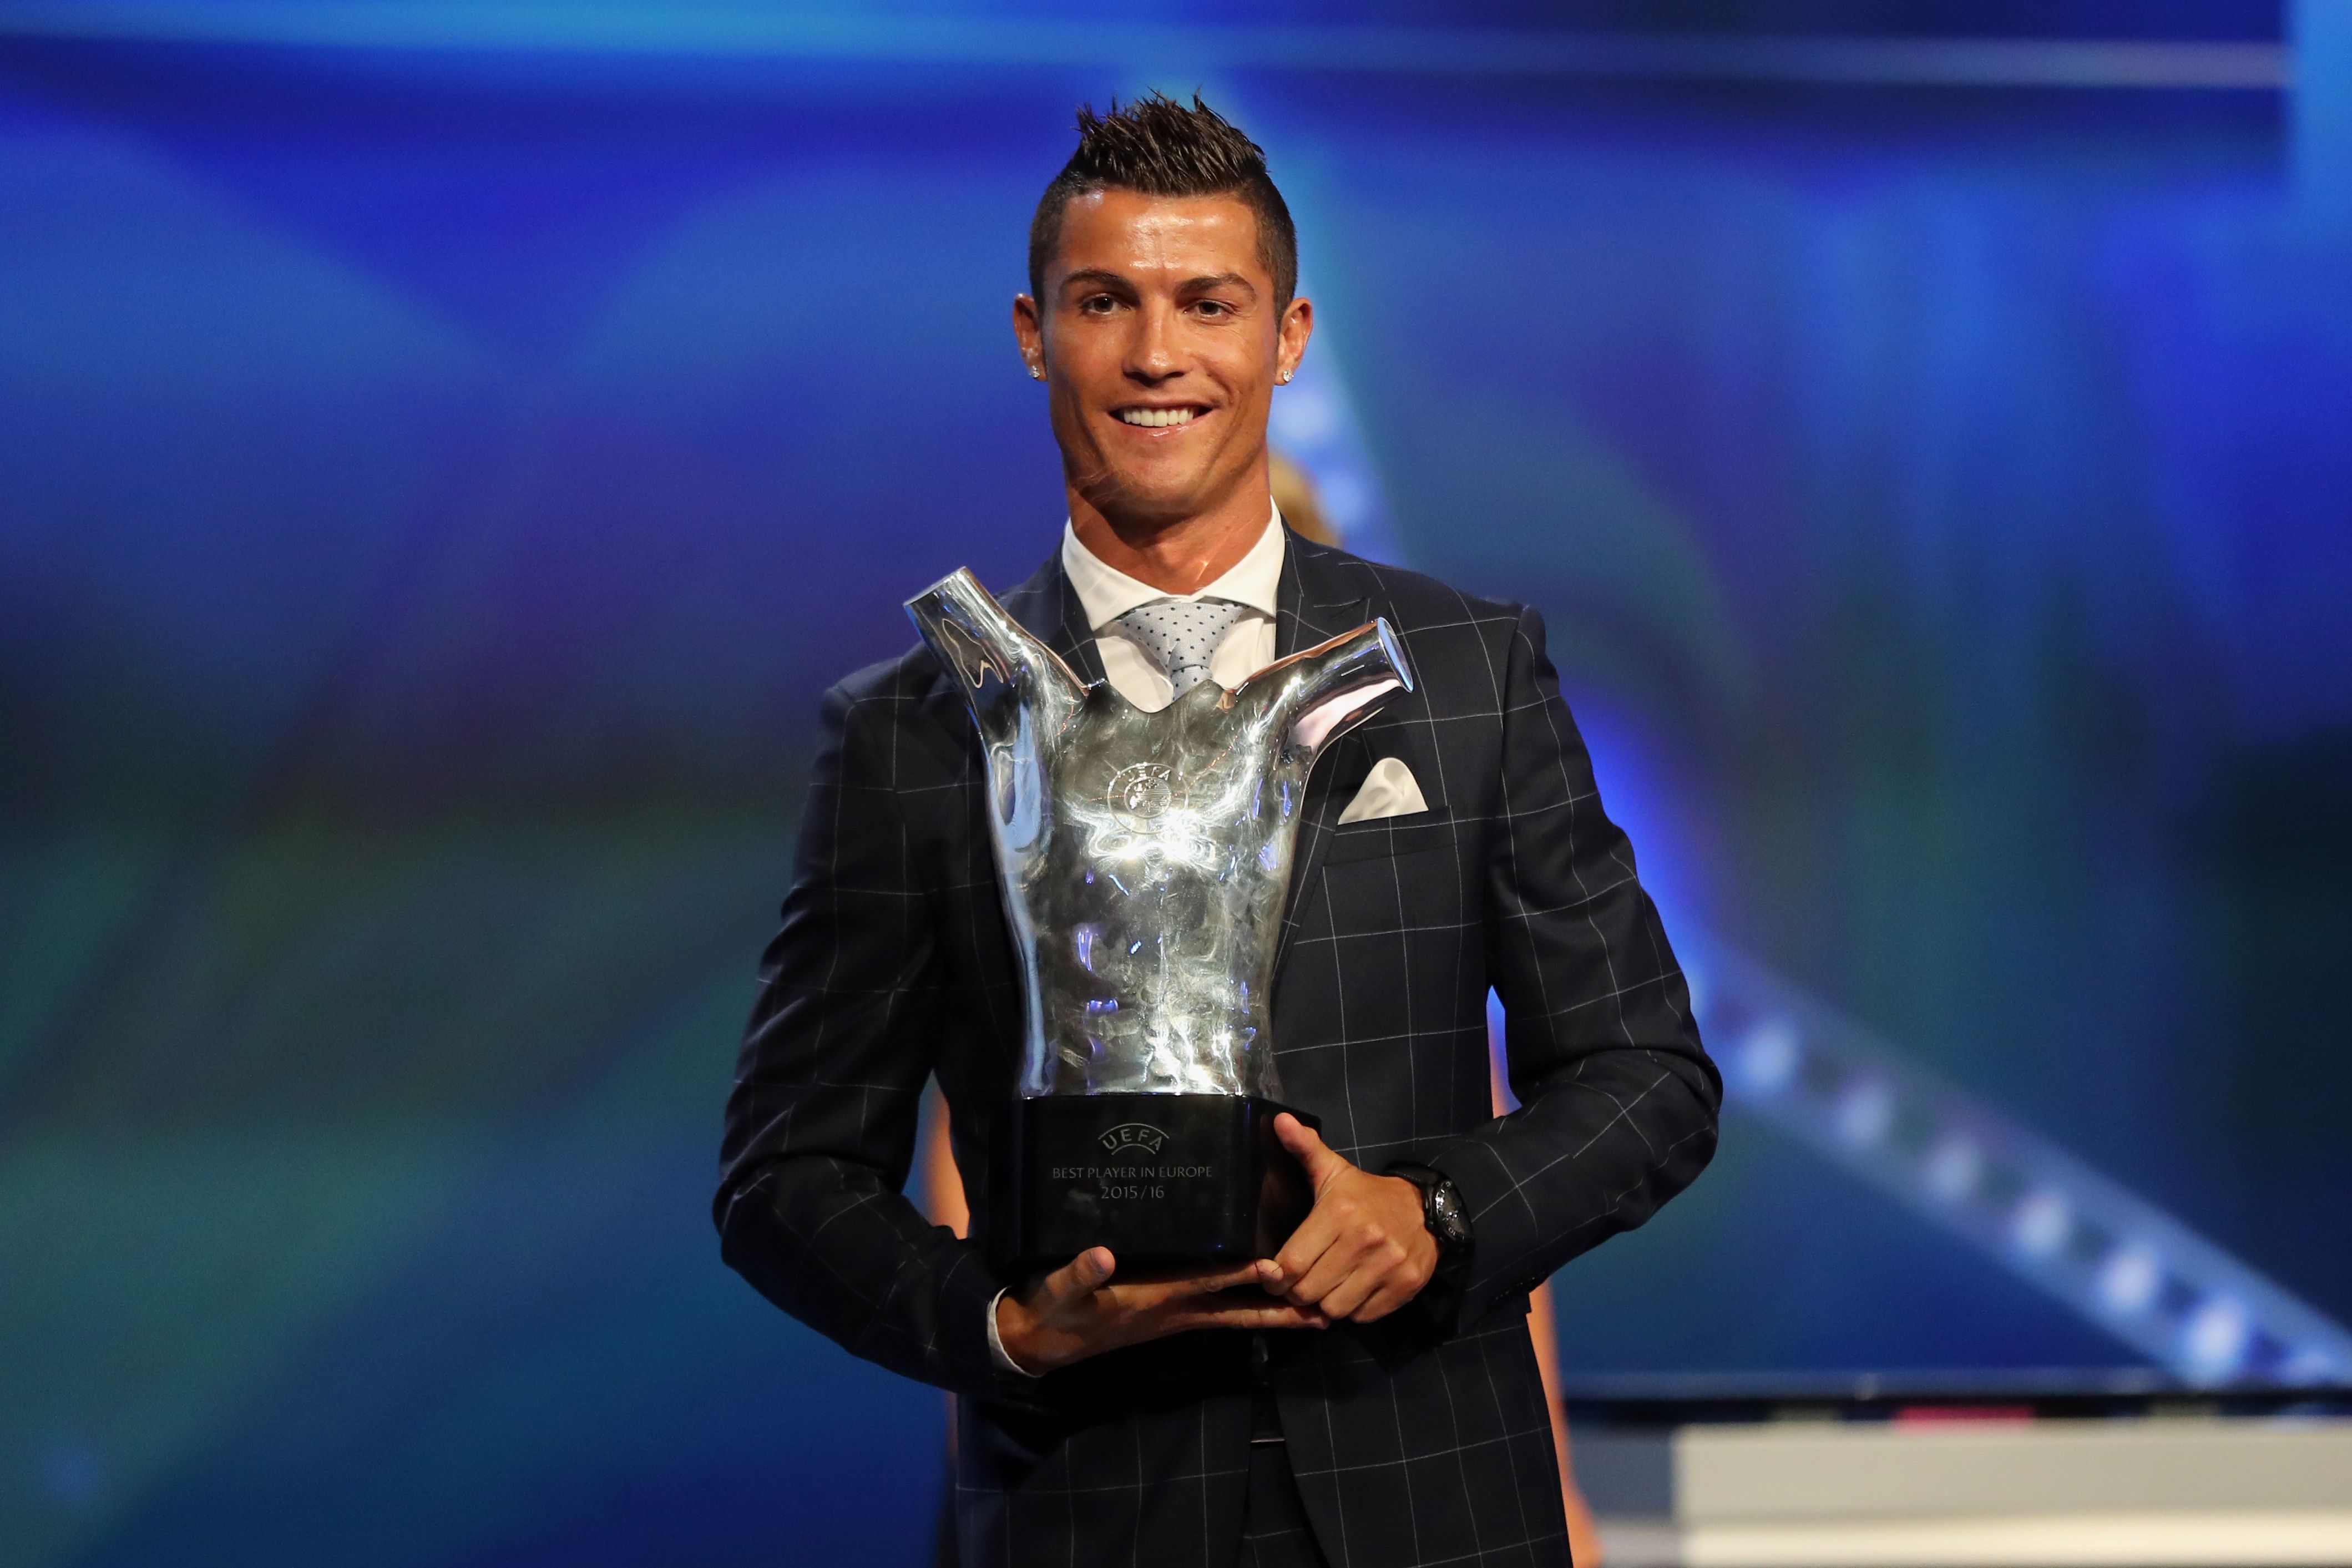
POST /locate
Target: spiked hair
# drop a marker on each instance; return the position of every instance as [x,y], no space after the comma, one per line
[1160,148]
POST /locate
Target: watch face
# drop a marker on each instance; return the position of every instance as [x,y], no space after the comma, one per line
[1445,1206]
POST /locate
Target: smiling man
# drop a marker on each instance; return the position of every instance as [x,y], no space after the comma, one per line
[1370,1397]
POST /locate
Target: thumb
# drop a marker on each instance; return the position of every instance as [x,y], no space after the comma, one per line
[1308,1149]
[1082,1275]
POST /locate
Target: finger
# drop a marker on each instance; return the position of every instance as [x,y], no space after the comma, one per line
[1245,1297]
[1307,1244]
[1310,1150]
[1354,1249]
[1346,1299]
[1330,1242]
[1391,1295]
[1226,1277]
[1272,1315]
[1150,1291]
[1300,1255]
[1082,1275]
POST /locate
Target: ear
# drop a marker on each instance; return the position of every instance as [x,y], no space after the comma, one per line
[1029,333]
[1297,326]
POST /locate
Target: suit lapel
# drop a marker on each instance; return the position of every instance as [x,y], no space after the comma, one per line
[1316,604]
[1049,607]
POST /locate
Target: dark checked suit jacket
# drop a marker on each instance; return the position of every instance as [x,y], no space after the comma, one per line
[1421,1439]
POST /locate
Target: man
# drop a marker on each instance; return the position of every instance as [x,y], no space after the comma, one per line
[1369,1396]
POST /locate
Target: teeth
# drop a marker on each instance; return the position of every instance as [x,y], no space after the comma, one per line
[1155,417]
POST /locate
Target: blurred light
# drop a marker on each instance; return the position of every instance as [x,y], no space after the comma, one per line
[2213,1341]
[777,32]
[1954,1167]
[1695,976]
[2312,1367]
[1865,1111]
[2129,1281]
[1815,1076]
[2040,1226]
[1768,1057]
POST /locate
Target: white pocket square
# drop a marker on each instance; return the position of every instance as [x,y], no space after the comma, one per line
[1389,790]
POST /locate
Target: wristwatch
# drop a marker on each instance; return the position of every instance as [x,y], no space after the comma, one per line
[1441,1209]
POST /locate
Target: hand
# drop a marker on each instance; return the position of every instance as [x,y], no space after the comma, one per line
[1075,1311]
[1364,1249]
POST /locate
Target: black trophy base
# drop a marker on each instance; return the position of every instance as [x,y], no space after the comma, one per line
[1158,1178]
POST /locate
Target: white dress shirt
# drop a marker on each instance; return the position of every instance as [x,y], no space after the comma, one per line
[1106,593]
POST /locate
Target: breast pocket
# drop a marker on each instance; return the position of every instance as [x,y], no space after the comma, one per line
[1393,878]
[1393,940]
[1387,837]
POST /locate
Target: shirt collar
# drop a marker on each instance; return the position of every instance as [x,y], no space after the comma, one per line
[1106,593]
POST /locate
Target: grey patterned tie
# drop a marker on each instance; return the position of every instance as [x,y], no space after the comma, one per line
[1182,634]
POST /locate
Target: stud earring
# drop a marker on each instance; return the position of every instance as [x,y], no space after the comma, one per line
[1284,378]
[1037,374]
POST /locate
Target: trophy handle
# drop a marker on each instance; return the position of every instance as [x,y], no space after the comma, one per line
[973,637]
[1326,690]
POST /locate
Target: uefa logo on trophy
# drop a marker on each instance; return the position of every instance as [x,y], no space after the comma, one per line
[1145,862]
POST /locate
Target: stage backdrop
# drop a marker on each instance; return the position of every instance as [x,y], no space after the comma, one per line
[438,480]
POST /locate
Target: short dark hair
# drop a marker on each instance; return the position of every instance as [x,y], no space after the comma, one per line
[1160,148]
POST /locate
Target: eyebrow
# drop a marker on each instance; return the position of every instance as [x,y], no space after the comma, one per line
[1218,280]
[1094,275]
[1099,276]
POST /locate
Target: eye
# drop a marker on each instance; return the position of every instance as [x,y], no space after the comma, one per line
[1214,309]
[1097,305]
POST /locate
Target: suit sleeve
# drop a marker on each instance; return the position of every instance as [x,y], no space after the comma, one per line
[820,1128]
[1618,1100]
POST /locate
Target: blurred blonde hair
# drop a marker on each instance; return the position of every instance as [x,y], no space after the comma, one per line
[1294,493]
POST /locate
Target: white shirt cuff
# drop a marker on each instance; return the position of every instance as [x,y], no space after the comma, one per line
[996,1350]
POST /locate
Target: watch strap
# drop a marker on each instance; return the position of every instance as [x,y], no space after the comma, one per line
[1454,1240]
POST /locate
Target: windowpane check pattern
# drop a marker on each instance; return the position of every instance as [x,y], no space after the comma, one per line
[1420,1439]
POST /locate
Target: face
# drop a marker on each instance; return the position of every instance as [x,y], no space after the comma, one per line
[1161,341]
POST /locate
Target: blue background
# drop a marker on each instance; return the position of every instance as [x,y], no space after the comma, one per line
[437,481]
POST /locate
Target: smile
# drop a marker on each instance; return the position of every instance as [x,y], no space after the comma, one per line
[1156,418]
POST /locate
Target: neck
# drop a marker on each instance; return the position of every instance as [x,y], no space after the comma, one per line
[1184,555]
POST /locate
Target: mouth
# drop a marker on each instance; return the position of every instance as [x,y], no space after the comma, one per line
[1151,419]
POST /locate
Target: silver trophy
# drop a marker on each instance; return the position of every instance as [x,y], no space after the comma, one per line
[1146,861]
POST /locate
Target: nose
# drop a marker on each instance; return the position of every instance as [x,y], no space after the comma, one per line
[1152,357]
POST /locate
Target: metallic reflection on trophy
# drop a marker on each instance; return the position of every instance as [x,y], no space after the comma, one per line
[1145,863]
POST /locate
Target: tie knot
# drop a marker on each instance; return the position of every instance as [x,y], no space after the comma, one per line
[1182,635]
